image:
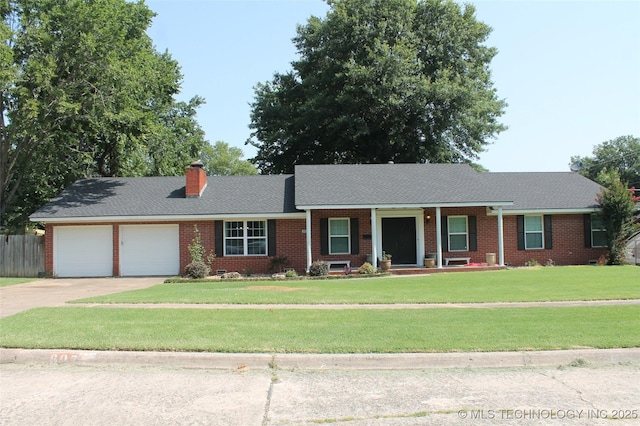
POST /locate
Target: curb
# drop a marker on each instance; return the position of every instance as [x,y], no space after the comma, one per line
[242,362]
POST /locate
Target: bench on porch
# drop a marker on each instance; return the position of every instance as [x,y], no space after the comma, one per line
[456,259]
[338,262]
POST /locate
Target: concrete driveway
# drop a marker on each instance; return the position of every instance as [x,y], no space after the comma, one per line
[55,292]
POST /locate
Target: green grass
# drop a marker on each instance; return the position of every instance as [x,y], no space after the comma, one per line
[324,331]
[12,281]
[518,285]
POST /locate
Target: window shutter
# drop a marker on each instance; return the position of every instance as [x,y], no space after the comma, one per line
[473,233]
[445,233]
[587,231]
[219,231]
[271,239]
[355,235]
[520,229]
[548,232]
[324,236]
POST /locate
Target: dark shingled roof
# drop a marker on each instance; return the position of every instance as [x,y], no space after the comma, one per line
[545,190]
[162,196]
[387,184]
[316,186]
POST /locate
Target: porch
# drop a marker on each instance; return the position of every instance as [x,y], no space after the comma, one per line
[421,270]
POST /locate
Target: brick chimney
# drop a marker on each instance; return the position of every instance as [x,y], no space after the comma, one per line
[196,179]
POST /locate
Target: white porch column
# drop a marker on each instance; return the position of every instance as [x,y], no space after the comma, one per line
[308,231]
[374,238]
[438,237]
[500,238]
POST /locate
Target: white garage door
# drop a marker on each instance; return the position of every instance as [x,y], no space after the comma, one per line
[83,251]
[149,250]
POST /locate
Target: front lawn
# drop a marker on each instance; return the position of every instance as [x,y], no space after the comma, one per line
[517,285]
[324,331]
[12,281]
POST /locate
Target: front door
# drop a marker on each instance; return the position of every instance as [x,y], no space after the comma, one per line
[399,239]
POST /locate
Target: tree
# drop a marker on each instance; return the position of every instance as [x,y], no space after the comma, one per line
[620,155]
[84,93]
[221,159]
[379,81]
[618,206]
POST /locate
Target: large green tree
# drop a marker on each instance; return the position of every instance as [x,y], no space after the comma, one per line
[378,81]
[220,159]
[616,158]
[85,93]
[618,206]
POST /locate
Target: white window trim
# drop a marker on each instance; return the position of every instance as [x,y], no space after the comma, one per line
[596,230]
[541,232]
[466,233]
[348,235]
[245,238]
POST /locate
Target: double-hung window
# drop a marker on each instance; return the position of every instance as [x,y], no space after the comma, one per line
[458,233]
[598,232]
[533,232]
[245,238]
[339,237]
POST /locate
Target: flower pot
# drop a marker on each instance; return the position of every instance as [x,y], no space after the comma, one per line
[429,262]
[385,265]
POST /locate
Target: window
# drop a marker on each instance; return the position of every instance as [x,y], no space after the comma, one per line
[533,232]
[458,233]
[598,232]
[339,236]
[245,238]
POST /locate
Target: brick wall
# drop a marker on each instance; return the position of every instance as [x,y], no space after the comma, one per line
[290,243]
[568,241]
[364,224]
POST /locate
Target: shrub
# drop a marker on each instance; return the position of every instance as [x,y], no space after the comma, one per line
[318,269]
[231,275]
[277,263]
[196,270]
[196,250]
[291,273]
[532,262]
[367,269]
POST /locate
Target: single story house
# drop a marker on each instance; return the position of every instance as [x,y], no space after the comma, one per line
[337,213]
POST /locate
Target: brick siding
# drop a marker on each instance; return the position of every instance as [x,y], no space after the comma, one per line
[568,241]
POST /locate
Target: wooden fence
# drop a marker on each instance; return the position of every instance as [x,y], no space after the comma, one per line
[21,255]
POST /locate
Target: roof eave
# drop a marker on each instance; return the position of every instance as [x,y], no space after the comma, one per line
[582,210]
[168,218]
[404,206]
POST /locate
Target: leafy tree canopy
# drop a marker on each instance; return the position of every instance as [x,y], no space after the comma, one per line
[221,159]
[618,207]
[379,81]
[617,158]
[83,92]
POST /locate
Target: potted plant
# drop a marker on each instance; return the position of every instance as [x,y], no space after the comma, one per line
[385,263]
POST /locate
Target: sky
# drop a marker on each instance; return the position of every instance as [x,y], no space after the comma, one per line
[569,70]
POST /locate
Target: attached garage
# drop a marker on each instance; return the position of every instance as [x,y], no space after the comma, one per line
[83,251]
[147,250]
